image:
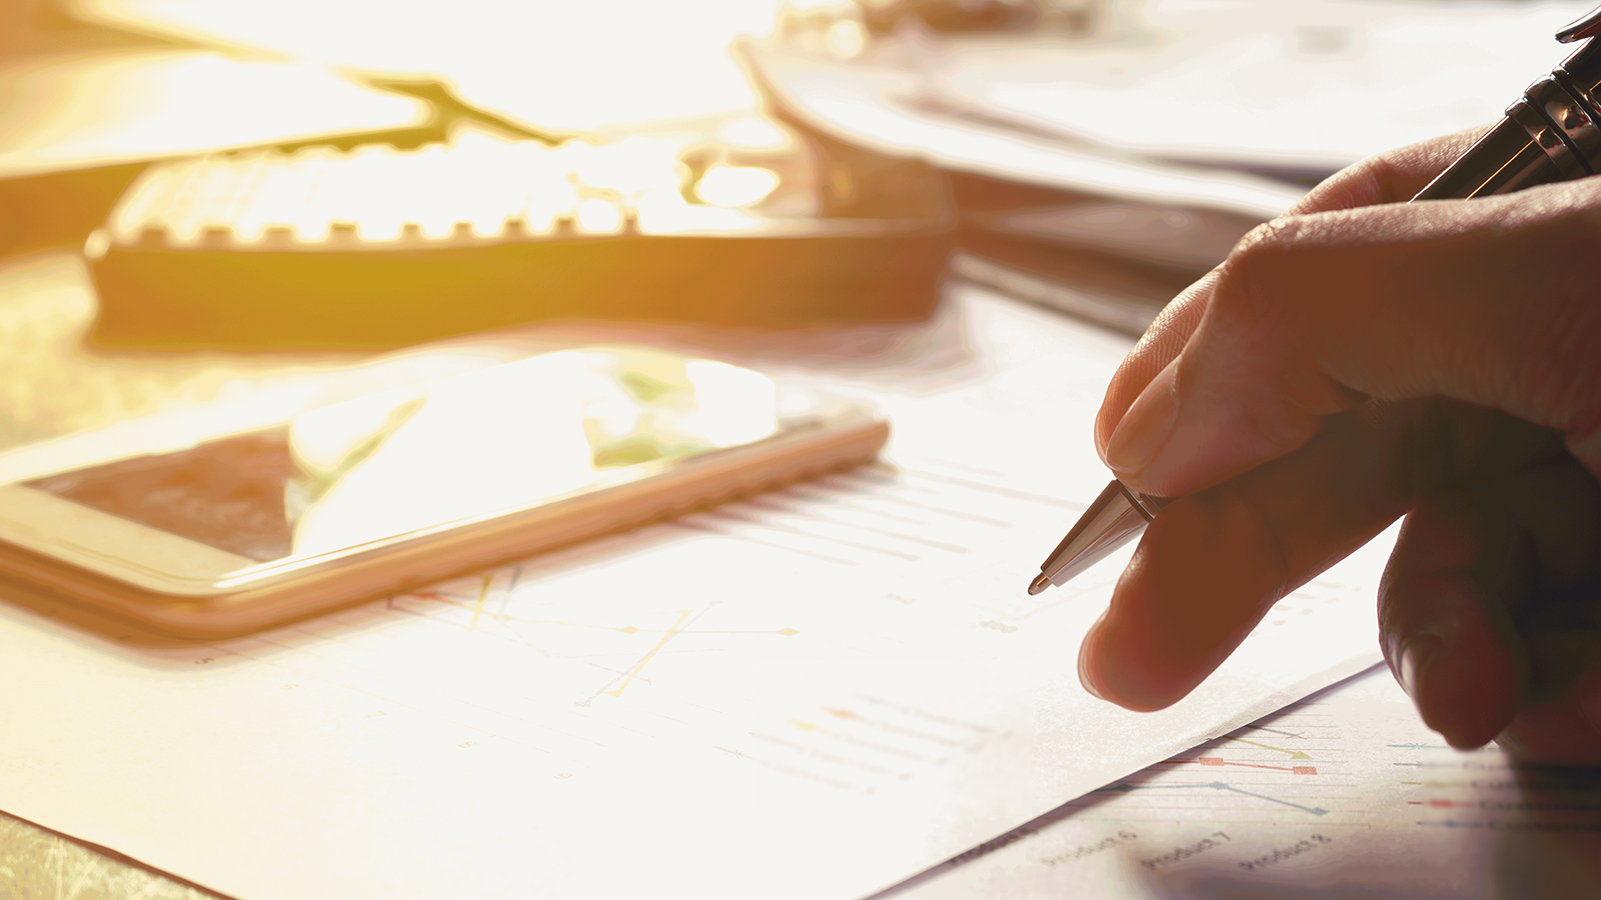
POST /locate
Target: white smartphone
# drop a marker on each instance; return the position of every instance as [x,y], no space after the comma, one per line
[209,534]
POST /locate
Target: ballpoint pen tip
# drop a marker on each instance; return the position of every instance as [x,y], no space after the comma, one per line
[1039,584]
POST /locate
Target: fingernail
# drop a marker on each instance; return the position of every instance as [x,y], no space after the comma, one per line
[1083,660]
[1146,426]
[1415,658]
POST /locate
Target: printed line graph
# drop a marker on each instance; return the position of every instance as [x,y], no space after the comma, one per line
[568,668]
[1290,734]
[1219,743]
[1495,795]
[1350,827]
[536,653]
[1293,754]
[1274,773]
[1126,787]
[633,673]
[477,654]
[1219,761]
[450,604]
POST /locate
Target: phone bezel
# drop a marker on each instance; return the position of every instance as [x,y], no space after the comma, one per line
[182,587]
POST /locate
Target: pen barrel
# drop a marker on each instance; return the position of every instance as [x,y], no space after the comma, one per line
[1552,133]
[1505,160]
[1112,520]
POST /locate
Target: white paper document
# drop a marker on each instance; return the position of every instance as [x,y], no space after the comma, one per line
[1344,795]
[815,693]
[1310,84]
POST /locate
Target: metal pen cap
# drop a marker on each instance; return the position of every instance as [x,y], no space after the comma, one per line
[1117,516]
[1552,133]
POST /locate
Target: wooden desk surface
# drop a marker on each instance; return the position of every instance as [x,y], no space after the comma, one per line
[38,865]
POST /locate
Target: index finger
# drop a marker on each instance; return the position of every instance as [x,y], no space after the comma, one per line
[1211,565]
[1393,177]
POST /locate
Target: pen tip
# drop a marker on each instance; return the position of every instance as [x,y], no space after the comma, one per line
[1039,584]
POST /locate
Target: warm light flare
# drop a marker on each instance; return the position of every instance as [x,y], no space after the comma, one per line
[508,436]
[561,65]
[79,112]
[735,186]
[478,185]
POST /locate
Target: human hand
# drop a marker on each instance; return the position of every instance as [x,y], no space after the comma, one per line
[1358,360]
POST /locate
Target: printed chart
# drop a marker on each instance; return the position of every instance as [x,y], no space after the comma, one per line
[1346,794]
[848,663]
[553,664]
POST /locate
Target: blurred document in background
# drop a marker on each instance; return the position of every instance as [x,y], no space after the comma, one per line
[1291,89]
[1121,145]
[1279,87]
[1130,154]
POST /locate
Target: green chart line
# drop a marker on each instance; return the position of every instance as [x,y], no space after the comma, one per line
[1294,754]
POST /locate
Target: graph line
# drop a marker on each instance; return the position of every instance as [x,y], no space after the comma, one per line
[467,609]
[1219,761]
[478,608]
[1125,787]
[1294,754]
[633,673]
[1276,731]
[462,603]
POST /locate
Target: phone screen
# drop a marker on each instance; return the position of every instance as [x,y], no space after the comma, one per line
[504,437]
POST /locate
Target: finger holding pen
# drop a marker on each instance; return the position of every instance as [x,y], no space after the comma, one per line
[1342,369]
[1119,513]
[1392,177]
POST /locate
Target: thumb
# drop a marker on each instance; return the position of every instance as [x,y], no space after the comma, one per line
[1492,302]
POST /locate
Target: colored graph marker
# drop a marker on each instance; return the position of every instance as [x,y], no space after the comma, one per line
[1219,761]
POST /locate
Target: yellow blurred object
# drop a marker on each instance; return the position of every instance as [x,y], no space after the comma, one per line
[574,66]
[78,112]
[77,127]
[382,246]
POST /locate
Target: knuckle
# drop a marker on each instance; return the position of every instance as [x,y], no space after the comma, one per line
[1266,239]
[1358,184]
[1378,179]
[1259,273]
[1547,350]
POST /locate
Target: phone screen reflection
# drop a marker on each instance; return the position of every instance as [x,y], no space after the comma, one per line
[475,445]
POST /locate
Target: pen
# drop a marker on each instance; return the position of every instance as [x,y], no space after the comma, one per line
[1551,133]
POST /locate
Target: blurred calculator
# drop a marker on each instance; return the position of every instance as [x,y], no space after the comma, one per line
[377,246]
